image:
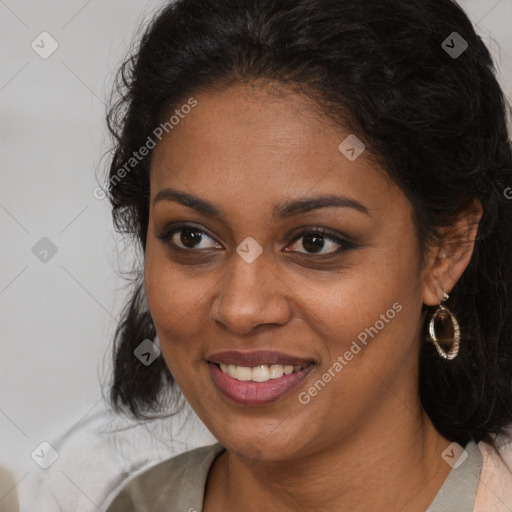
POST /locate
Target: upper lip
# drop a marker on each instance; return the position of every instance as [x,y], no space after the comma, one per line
[256,358]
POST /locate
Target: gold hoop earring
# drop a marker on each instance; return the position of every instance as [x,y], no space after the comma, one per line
[442,313]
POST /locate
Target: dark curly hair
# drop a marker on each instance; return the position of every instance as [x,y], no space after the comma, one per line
[436,122]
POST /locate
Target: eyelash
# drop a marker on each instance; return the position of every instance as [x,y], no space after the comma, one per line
[167,233]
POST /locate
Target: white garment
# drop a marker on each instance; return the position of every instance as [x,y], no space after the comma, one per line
[98,455]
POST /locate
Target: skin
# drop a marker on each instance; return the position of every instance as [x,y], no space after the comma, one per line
[364,442]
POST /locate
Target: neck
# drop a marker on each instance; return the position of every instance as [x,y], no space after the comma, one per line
[394,464]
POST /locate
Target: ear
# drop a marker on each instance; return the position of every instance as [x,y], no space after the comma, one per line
[447,260]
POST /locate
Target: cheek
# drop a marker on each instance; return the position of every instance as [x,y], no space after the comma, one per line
[177,305]
[370,315]
[174,294]
[382,276]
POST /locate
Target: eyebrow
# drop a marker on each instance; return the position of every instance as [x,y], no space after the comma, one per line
[282,211]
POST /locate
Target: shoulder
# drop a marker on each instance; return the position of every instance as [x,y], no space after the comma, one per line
[175,484]
[495,484]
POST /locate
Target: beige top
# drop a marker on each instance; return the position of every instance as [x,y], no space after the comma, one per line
[178,484]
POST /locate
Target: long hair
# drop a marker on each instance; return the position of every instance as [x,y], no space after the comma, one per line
[428,103]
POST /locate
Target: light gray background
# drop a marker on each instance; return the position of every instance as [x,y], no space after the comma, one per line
[57,318]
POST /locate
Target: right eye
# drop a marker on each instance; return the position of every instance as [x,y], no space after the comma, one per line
[187,237]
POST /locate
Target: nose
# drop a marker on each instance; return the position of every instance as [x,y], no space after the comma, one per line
[251,295]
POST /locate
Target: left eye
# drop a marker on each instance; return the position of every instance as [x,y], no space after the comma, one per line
[318,242]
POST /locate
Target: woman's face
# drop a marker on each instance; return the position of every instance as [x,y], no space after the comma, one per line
[260,287]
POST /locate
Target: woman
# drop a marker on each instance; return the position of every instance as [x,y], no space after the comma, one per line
[319,191]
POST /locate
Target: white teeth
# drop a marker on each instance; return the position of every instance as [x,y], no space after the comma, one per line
[243,373]
[276,371]
[261,373]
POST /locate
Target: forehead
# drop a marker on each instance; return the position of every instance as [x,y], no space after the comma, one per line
[244,121]
[259,141]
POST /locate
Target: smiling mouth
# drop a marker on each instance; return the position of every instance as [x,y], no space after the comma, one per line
[257,378]
[261,373]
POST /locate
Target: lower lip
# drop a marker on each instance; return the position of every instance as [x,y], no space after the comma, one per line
[256,393]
